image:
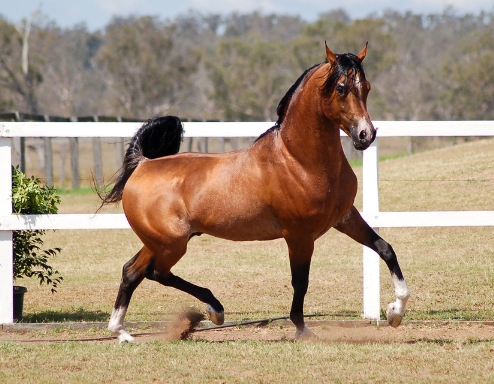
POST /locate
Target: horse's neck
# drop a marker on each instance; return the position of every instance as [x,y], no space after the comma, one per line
[308,135]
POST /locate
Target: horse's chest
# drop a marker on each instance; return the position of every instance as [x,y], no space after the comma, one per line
[325,202]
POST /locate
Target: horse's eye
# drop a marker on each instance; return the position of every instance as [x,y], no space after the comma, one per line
[341,89]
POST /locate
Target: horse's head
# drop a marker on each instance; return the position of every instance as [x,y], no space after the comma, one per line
[345,93]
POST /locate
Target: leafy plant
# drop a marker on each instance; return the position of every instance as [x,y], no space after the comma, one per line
[30,196]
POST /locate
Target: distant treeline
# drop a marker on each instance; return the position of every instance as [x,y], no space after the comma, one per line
[238,67]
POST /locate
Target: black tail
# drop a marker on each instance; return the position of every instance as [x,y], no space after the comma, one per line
[158,137]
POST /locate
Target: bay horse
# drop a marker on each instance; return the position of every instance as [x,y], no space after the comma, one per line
[294,183]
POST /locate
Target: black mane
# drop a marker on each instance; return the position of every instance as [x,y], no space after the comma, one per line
[285,101]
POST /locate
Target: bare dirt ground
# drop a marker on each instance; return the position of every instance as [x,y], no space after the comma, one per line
[190,326]
[352,332]
[355,332]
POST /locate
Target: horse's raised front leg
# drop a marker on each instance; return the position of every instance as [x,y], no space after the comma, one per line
[132,276]
[300,253]
[355,227]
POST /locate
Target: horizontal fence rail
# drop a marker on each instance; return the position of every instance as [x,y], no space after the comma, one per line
[237,129]
[371,300]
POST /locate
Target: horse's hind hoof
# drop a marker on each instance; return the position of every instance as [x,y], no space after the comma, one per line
[217,318]
[393,319]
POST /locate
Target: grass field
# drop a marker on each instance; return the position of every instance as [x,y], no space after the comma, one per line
[450,272]
[247,362]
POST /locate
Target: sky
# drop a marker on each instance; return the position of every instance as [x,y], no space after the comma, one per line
[97,13]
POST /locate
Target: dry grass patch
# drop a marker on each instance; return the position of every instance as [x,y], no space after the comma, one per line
[248,361]
[448,179]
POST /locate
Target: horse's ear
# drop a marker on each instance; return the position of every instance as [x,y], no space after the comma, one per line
[330,55]
[363,52]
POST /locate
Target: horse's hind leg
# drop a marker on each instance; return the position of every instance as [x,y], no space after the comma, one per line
[355,227]
[145,264]
[133,272]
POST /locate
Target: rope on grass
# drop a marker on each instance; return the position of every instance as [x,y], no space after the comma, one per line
[261,323]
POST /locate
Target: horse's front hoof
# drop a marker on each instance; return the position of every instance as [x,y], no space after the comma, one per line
[305,334]
[217,318]
[393,318]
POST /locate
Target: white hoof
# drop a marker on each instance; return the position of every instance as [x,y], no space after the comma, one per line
[217,318]
[125,337]
[305,334]
[394,319]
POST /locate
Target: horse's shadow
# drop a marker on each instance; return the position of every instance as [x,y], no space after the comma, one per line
[78,315]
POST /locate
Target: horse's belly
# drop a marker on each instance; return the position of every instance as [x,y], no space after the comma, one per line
[235,220]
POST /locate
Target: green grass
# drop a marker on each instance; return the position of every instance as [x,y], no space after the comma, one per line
[437,361]
[76,192]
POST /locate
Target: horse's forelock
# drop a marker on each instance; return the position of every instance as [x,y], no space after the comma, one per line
[346,65]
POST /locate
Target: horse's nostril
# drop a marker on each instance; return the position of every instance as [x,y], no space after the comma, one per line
[362,135]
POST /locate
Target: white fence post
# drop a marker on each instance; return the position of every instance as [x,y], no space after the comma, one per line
[370,187]
[6,265]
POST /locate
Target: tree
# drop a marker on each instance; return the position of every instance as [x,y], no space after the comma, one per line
[71,86]
[271,27]
[249,78]
[468,73]
[146,74]
[19,72]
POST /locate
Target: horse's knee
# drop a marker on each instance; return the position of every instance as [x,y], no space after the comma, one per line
[385,250]
[131,278]
[166,279]
[134,270]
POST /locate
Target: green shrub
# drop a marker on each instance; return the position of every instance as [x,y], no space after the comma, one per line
[30,196]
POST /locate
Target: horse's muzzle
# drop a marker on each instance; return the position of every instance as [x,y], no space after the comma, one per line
[363,135]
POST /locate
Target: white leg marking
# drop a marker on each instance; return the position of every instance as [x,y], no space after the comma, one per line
[115,325]
[396,310]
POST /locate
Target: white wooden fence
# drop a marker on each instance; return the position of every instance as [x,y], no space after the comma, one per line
[377,219]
